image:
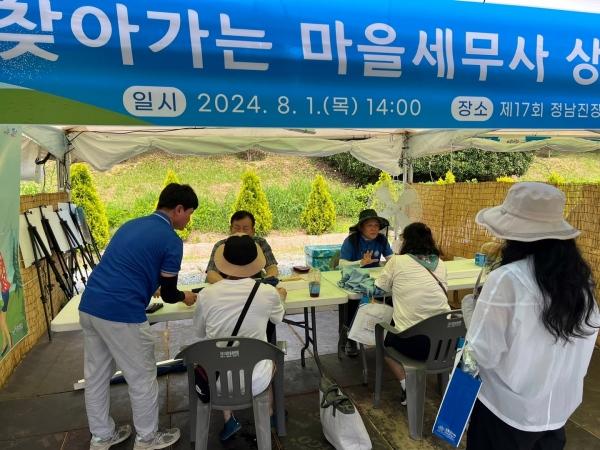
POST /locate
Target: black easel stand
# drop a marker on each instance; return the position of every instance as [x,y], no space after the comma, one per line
[86,245]
[36,243]
[74,246]
[67,275]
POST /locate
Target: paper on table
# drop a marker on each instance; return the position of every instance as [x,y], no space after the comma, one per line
[293,285]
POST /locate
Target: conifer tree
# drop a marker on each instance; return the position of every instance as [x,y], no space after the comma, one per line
[252,198]
[172,177]
[319,214]
[84,194]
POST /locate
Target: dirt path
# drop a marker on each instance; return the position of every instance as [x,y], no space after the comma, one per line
[287,247]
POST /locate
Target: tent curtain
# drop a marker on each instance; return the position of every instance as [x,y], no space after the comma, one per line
[435,142]
[103,150]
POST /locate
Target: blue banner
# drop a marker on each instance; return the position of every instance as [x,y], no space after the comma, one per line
[310,63]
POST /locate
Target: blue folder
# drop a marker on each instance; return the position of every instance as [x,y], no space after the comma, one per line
[457,405]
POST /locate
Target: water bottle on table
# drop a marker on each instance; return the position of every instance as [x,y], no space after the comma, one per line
[314,282]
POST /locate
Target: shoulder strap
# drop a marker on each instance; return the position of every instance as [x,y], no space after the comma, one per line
[245,310]
[438,281]
[477,288]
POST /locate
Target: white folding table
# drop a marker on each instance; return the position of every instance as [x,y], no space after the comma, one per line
[297,299]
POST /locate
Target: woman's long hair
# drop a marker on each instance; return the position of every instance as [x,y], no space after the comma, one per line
[418,240]
[565,280]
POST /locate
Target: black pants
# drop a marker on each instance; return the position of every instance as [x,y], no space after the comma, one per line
[415,347]
[488,432]
[352,307]
[271,333]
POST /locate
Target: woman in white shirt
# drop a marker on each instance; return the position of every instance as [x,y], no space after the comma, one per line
[417,279]
[534,325]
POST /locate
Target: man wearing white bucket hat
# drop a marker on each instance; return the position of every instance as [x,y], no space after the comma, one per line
[534,325]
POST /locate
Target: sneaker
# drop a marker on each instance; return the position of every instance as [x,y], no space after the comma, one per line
[120,434]
[231,427]
[351,348]
[161,439]
[403,397]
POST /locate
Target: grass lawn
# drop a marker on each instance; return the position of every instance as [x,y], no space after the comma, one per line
[574,167]
[131,188]
[214,175]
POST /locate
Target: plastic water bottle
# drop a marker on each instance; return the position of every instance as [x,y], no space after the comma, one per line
[364,300]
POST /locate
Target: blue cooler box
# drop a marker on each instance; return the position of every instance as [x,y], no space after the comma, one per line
[321,256]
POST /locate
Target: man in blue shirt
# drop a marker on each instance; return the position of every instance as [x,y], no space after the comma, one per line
[144,253]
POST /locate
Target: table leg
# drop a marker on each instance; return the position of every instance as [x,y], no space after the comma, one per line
[314,338]
[342,328]
[306,337]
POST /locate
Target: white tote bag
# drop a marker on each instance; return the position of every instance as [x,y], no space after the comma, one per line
[367,316]
[342,425]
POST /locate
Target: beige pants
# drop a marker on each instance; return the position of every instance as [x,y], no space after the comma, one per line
[130,346]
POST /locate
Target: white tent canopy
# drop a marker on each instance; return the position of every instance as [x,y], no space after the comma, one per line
[103,147]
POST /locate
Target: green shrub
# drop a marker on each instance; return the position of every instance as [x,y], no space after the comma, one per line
[142,205]
[385,180]
[172,177]
[352,168]
[211,215]
[555,178]
[252,198]
[349,202]
[449,178]
[506,180]
[472,163]
[84,194]
[319,214]
[287,203]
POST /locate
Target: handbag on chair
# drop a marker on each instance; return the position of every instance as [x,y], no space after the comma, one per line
[367,316]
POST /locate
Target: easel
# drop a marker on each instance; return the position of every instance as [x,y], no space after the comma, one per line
[67,274]
[73,247]
[89,233]
[40,252]
[87,247]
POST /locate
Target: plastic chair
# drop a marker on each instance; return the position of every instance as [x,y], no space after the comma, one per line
[443,330]
[238,361]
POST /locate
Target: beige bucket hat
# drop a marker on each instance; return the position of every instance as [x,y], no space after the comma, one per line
[530,212]
[239,257]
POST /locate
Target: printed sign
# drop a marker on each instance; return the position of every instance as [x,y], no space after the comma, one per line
[13,325]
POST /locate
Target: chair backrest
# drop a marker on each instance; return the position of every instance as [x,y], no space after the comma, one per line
[232,366]
[443,330]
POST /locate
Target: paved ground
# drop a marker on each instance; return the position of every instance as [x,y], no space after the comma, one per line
[40,410]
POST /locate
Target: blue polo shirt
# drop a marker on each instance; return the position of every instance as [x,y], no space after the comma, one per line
[121,285]
[380,247]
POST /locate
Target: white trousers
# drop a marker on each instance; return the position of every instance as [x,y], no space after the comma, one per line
[131,347]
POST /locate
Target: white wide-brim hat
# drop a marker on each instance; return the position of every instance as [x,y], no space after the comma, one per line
[530,212]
